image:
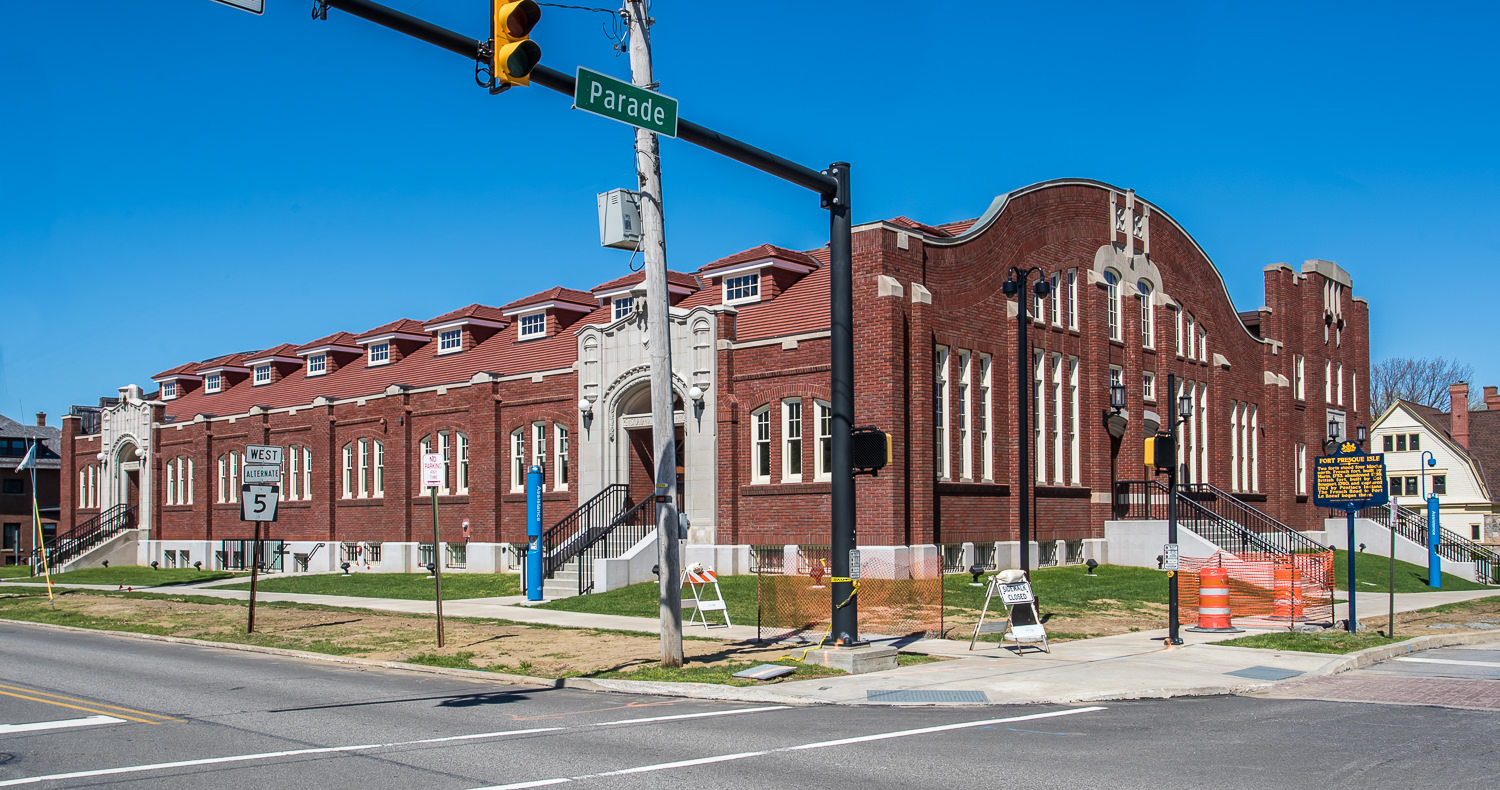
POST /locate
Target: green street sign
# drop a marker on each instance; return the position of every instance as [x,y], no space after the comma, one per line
[618,100]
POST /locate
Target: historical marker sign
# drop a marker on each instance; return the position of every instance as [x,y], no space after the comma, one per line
[618,100]
[1350,479]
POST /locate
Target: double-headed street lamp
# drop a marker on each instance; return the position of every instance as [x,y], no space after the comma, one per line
[1016,286]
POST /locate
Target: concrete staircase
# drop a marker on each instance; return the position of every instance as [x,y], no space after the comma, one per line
[563,584]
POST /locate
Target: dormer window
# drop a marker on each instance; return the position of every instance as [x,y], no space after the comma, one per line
[533,325]
[450,341]
[169,390]
[742,288]
[380,353]
[262,374]
[623,306]
[212,383]
[317,364]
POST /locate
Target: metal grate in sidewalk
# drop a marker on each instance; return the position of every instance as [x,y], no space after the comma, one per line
[915,695]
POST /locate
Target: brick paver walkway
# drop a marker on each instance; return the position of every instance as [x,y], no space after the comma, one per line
[1396,690]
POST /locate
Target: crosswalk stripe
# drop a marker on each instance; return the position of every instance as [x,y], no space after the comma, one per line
[7,729]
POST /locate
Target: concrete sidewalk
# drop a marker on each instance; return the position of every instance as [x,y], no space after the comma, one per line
[1125,666]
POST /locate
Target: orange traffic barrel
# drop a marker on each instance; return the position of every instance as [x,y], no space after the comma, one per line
[1213,601]
[1288,591]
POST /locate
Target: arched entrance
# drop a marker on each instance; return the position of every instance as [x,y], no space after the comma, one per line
[126,480]
[635,456]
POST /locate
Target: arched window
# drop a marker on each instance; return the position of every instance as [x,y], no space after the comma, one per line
[518,459]
[171,483]
[186,481]
[823,470]
[348,465]
[229,477]
[379,469]
[1148,316]
[448,444]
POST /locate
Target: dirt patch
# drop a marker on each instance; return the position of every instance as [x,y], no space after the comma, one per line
[1482,614]
[500,647]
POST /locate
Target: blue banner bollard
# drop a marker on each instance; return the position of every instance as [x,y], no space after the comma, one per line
[534,534]
[1434,537]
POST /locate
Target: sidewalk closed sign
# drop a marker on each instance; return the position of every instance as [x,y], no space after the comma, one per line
[432,470]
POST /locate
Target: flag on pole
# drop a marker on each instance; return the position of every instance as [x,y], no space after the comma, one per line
[29,462]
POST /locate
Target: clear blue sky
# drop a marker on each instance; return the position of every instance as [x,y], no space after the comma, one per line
[180,179]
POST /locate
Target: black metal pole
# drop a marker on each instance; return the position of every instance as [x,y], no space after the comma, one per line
[1173,623]
[841,390]
[1353,622]
[1023,383]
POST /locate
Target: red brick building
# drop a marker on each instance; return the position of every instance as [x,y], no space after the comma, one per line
[560,379]
[18,522]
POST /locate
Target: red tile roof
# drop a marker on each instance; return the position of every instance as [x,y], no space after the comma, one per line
[680,279]
[803,307]
[958,228]
[226,361]
[336,339]
[555,294]
[404,326]
[760,253]
[283,350]
[479,311]
[185,369]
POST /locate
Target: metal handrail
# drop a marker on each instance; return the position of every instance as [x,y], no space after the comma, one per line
[1231,507]
[1412,525]
[85,536]
[1149,498]
[624,531]
[562,542]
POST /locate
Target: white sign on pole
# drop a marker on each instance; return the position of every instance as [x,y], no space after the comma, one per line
[258,502]
[262,454]
[432,470]
[261,473]
[1170,557]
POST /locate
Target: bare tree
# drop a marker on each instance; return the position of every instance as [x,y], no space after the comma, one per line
[1423,381]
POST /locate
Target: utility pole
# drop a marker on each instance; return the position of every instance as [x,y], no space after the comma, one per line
[659,338]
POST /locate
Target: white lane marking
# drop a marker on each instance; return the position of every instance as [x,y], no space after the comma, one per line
[1450,661]
[87,721]
[265,756]
[818,745]
[691,715]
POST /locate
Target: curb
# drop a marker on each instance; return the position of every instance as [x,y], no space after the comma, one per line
[1372,655]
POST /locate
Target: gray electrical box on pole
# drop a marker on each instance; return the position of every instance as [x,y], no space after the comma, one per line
[658,318]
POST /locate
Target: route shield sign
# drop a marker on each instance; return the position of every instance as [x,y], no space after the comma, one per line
[618,100]
[1350,479]
[258,502]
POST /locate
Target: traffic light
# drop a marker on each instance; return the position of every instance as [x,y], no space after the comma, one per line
[1161,452]
[871,448]
[515,54]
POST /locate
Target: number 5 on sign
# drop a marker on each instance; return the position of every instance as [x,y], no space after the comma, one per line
[258,502]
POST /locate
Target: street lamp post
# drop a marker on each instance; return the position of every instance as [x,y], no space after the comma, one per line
[1179,410]
[1016,286]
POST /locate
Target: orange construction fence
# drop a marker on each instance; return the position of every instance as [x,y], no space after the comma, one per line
[1267,589]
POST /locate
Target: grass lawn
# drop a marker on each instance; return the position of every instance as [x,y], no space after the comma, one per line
[405,586]
[1328,642]
[641,600]
[1372,574]
[15,571]
[1069,589]
[135,576]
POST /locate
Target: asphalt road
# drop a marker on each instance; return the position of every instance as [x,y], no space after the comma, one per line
[94,710]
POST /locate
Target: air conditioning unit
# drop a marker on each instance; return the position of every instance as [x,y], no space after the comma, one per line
[620,219]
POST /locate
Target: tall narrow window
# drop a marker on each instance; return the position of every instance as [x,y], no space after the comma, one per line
[760,442]
[1328,381]
[362,453]
[940,421]
[560,450]
[1301,470]
[171,484]
[1059,461]
[1339,385]
[1072,298]
[461,481]
[824,468]
[1148,315]
[1234,445]
[986,448]
[1299,377]
[1254,448]
[348,458]
[1112,303]
[1178,317]
[1038,307]
[965,426]
[539,445]
[1056,298]
[1039,405]
[1076,475]
[294,472]
[1353,391]
[791,438]
[379,470]
[518,459]
[234,477]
